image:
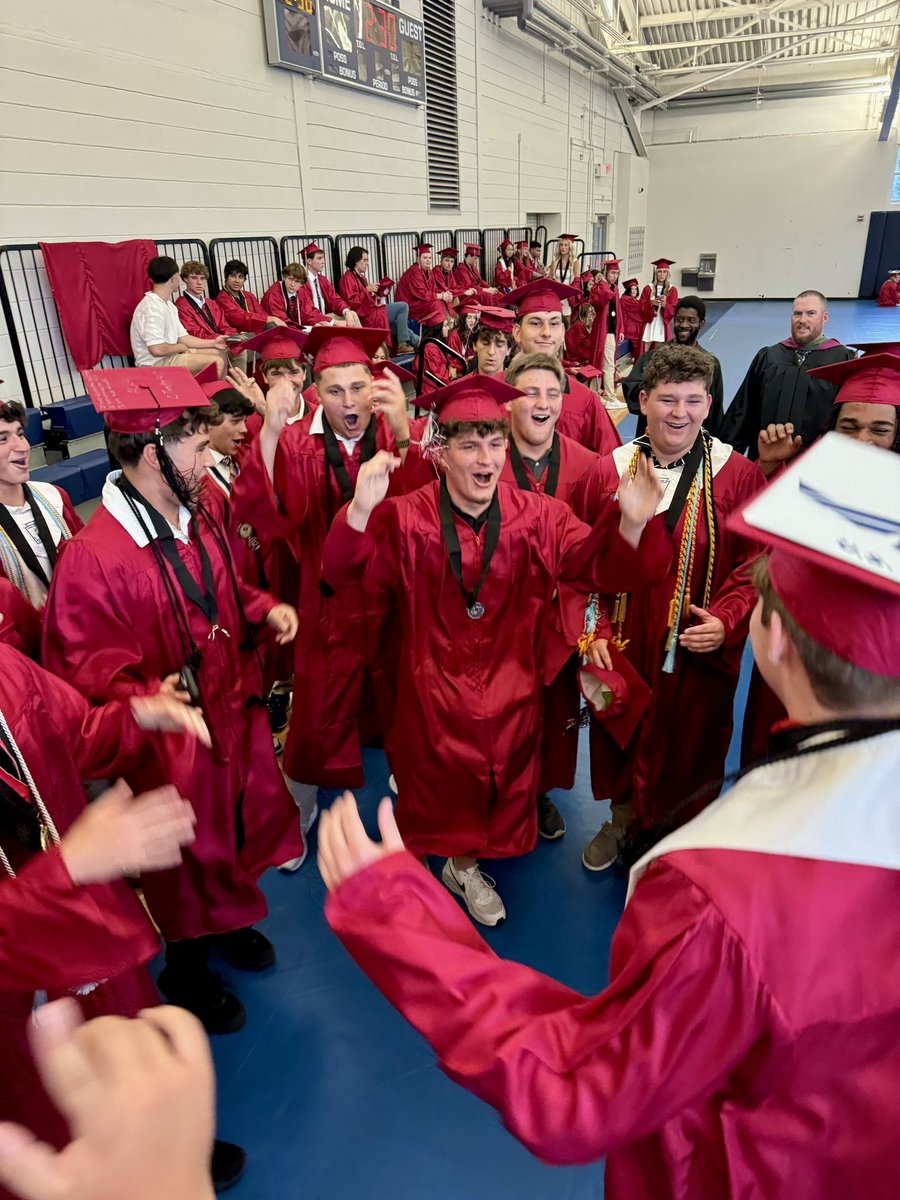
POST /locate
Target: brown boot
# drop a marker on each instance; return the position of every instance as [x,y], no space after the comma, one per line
[603,849]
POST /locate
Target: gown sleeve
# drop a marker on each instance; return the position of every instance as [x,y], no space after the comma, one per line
[597,558]
[743,413]
[348,555]
[735,596]
[57,935]
[573,1077]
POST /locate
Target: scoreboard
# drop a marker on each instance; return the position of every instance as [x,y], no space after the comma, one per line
[354,42]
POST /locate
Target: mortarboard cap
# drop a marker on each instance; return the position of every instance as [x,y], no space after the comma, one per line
[618,698]
[872,379]
[280,342]
[379,368]
[501,319]
[335,345]
[831,525]
[875,347]
[630,283]
[311,249]
[207,375]
[522,245]
[506,242]
[611,264]
[435,315]
[449,252]
[568,237]
[541,295]
[423,248]
[474,398]
[136,399]
[473,247]
[211,390]
[663,263]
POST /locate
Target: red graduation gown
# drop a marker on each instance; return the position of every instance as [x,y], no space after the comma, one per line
[311,314]
[20,621]
[633,321]
[195,323]
[110,630]
[667,310]
[336,662]
[54,936]
[465,278]
[601,296]
[420,291]
[279,302]
[562,698]
[578,344]
[733,1054]
[354,290]
[584,419]
[657,769]
[889,294]
[503,276]
[466,743]
[246,317]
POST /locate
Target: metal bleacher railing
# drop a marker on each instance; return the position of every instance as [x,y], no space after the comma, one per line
[46,370]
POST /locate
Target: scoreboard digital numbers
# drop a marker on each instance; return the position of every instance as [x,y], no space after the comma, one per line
[354,42]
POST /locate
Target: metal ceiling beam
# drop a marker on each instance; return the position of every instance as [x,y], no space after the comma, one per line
[804,35]
[890,108]
[808,63]
[632,123]
[735,13]
[762,58]
[781,91]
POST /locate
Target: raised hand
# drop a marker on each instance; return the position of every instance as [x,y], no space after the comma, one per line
[371,488]
[389,399]
[777,444]
[707,635]
[344,846]
[281,403]
[638,499]
[247,387]
[139,1098]
[120,834]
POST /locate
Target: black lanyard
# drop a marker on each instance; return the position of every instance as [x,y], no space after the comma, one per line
[521,472]
[688,473]
[335,459]
[289,300]
[241,301]
[204,600]
[205,314]
[474,607]
[23,548]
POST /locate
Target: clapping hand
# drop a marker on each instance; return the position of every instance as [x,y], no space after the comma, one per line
[247,387]
[371,488]
[281,403]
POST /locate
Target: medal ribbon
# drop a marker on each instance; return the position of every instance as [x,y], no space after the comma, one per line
[454,550]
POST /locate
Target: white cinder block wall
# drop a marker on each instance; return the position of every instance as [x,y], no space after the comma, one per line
[775,191]
[155,118]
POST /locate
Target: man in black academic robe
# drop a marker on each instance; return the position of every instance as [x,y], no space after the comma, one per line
[777,387]
[687,325]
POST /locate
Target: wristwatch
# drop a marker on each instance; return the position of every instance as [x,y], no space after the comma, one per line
[403,444]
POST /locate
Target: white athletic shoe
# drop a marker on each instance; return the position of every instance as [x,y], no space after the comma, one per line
[477,889]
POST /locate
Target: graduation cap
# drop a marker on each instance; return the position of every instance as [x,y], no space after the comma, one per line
[311,249]
[611,264]
[872,379]
[875,347]
[474,398]
[521,245]
[618,698]
[450,252]
[379,368]
[541,295]
[424,248]
[384,285]
[473,247]
[207,375]
[140,399]
[501,319]
[663,263]
[506,242]
[568,237]
[211,390]
[336,345]
[280,342]
[629,283]
[832,527]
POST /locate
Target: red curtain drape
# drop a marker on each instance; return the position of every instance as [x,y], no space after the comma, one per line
[96,286]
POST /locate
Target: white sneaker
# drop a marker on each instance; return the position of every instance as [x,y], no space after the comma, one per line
[392,784]
[477,889]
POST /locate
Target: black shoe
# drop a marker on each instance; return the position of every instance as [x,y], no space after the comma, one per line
[279,705]
[248,949]
[228,1163]
[206,997]
[551,823]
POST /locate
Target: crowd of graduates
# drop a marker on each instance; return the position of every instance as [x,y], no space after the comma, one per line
[298,555]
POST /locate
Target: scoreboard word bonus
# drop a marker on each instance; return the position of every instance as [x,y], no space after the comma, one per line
[354,42]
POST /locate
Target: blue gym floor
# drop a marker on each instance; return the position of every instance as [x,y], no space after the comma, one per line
[334,1097]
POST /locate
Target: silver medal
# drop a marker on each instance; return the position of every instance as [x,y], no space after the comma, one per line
[476,610]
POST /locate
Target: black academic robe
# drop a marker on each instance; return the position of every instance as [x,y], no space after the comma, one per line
[777,389]
[631,388]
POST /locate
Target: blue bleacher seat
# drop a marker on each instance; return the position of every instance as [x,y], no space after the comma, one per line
[94,469]
[74,418]
[67,475]
[34,428]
